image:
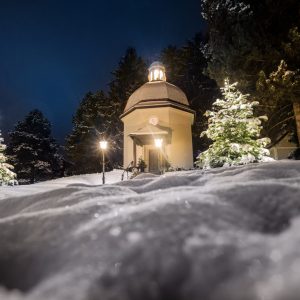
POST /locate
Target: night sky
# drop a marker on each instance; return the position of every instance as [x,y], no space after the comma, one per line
[53,52]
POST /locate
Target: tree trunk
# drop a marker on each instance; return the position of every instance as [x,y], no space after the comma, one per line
[296,106]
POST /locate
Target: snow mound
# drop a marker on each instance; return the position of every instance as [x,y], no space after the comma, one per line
[228,233]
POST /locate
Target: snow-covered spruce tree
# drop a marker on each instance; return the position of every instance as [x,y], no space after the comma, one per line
[234,130]
[6,173]
[32,150]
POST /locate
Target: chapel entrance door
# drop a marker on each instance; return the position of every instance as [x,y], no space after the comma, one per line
[153,161]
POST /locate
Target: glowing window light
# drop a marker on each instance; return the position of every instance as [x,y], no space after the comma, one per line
[156,74]
[158,143]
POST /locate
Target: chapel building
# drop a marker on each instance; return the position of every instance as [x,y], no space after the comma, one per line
[157,125]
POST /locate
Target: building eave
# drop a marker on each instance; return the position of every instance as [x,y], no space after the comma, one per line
[144,104]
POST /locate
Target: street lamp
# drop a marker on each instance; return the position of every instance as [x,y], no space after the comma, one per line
[103,147]
[158,144]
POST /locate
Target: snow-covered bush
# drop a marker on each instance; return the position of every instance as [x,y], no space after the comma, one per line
[234,130]
[6,175]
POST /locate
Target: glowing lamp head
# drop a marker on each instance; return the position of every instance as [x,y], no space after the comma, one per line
[103,145]
[158,143]
[157,72]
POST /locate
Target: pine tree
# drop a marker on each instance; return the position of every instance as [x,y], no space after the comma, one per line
[234,131]
[90,125]
[130,74]
[6,173]
[279,92]
[247,43]
[245,37]
[98,117]
[32,150]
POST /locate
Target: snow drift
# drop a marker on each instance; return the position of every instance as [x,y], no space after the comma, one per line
[229,233]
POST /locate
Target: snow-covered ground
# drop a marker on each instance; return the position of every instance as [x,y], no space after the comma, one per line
[229,233]
[88,179]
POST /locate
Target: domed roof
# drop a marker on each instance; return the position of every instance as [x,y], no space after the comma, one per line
[156,64]
[156,90]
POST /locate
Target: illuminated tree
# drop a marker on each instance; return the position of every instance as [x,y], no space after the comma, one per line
[234,130]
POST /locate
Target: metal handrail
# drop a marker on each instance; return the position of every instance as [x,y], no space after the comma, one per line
[127,170]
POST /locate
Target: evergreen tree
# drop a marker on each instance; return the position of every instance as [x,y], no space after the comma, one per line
[6,173]
[130,75]
[90,125]
[98,117]
[32,150]
[245,37]
[186,68]
[247,44]
[234,131]
[279,92]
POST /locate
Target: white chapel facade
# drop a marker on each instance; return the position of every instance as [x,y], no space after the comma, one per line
[157,124]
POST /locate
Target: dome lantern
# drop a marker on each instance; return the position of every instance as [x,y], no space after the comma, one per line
[157,72]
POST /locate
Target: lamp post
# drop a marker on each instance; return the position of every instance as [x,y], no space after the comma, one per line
[158,144]
[103,147]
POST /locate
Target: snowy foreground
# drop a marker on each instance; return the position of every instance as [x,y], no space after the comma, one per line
[221,234]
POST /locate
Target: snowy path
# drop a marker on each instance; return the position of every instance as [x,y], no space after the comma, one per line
[222,234]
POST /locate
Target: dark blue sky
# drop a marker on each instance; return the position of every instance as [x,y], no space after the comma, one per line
[54,51]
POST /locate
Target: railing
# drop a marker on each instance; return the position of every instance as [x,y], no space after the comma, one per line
[129,168]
